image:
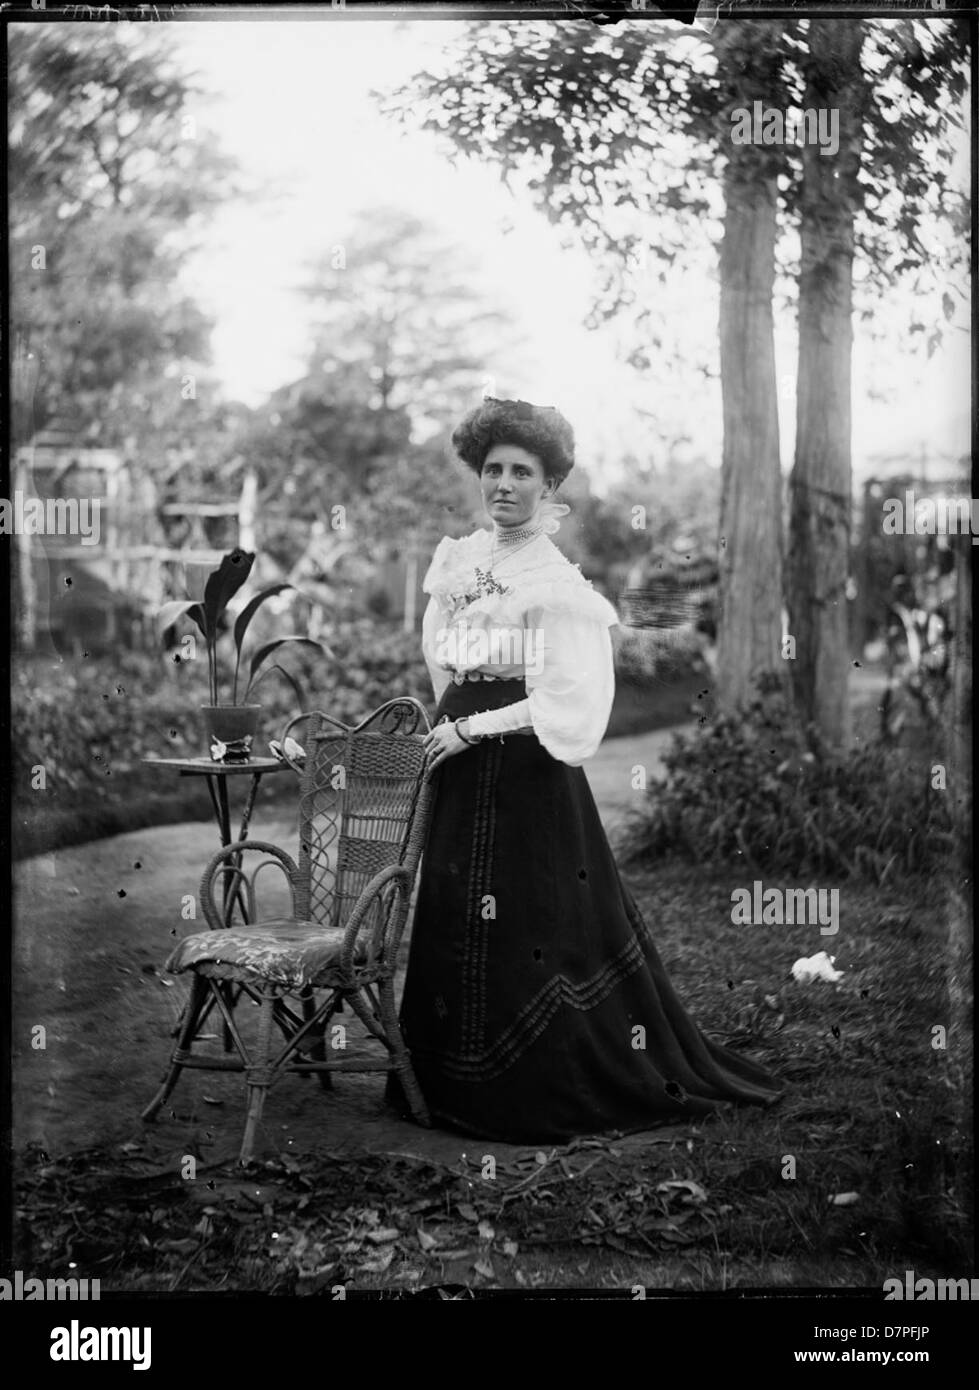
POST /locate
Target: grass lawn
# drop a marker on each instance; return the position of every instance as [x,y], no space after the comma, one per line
[862,1171]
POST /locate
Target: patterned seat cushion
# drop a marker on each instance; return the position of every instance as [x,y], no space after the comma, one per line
[284,951]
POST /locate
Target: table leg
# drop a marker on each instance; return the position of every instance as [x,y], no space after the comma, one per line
[249,806]
[214,800]
[224,813]
[224,825]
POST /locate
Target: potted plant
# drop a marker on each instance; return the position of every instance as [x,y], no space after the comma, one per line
[230,728]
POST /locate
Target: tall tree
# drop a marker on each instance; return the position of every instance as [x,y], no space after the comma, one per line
[109,177]
[820,485]
[840,208]
[600,122]
[401,342]
[750,538]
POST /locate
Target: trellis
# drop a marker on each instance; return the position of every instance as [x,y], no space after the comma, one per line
[130,559]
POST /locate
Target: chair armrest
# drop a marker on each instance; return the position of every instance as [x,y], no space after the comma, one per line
[235,880]
[372,899]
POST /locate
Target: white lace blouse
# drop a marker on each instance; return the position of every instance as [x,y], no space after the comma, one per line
[529,615]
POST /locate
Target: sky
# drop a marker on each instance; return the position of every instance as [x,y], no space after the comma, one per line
[291,101]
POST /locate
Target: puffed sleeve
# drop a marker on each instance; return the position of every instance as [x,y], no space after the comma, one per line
[570,685]
[431,624]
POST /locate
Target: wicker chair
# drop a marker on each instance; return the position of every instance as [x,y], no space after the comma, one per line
[364,805]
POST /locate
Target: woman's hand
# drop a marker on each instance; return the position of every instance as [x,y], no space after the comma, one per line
[443,742]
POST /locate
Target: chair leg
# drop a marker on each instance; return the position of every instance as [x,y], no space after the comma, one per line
[188,1031]
[317,1053]
[259,1076]
[400,1057]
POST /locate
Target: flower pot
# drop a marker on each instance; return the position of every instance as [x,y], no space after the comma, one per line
[230,730]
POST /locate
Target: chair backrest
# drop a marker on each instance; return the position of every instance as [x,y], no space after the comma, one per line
[360,793]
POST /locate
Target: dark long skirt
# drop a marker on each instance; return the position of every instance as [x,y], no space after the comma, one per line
[536,1007]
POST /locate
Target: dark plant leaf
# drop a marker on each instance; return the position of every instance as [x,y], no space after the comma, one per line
[178,608]
[244,618]
[250,609]
[223,583]
[265,652]
[293,682]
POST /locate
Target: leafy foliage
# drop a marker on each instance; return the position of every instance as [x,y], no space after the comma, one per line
[110,180]
[756,790]
[90,723]
[620,132]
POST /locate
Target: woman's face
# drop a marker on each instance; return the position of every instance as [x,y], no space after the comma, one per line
[513,484]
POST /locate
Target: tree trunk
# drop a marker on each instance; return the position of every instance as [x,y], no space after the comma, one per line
[820,486]
[750,548]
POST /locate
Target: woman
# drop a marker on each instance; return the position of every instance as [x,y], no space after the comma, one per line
[535,1006]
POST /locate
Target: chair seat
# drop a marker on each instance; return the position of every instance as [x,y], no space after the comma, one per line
[284,951]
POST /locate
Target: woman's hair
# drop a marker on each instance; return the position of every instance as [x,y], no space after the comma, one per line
[540,429]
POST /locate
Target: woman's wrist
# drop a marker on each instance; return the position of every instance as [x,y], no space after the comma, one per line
[498,722]
[462,729]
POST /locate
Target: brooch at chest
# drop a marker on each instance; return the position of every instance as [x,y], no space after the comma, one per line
[485,586]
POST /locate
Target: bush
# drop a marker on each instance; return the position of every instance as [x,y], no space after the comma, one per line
[644,657]
[758,790]
[88,720]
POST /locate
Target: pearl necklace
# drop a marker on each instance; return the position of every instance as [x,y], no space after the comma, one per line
[511,535]
[512,538]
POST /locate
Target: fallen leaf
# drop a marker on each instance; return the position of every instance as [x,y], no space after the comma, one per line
[426,1241]
[378,1263]
[467,1212]
[484,1268]
[212,1100]
[844,1199]
[383,1234]
[485,1230]
[685,1185]
[667,1223]
[510,1248]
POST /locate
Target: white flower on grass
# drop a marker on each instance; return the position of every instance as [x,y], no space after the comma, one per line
[817,967]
